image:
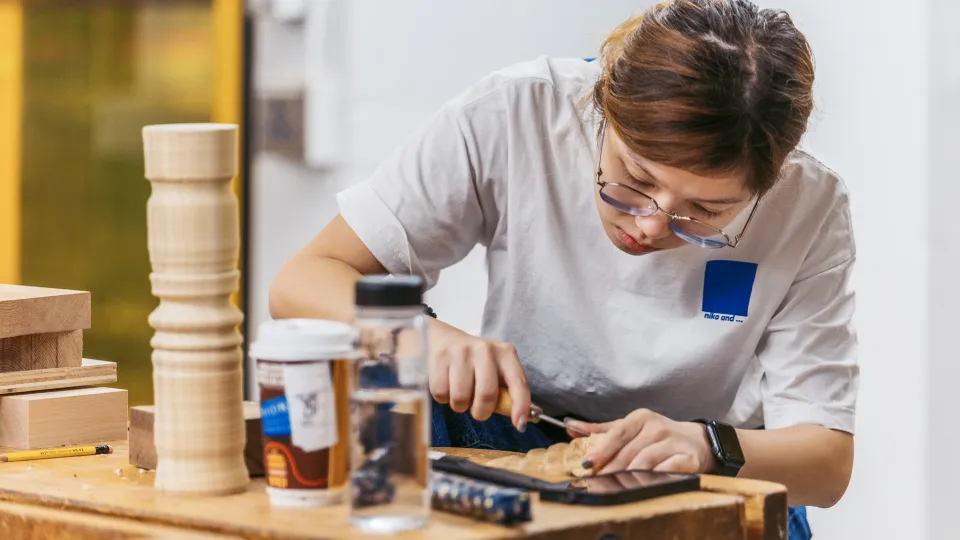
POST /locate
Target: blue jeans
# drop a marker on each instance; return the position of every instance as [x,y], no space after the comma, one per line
[460,430]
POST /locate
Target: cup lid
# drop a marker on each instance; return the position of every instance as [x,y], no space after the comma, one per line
[292,340]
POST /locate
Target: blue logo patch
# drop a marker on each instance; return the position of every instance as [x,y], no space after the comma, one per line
[727,286]
[275,417]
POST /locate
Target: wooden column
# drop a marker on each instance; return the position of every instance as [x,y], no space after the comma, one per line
[193,231]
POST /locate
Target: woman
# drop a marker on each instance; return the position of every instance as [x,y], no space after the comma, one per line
[659,252]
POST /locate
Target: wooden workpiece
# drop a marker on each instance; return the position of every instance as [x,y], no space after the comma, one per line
[63,417]
[89,373]
[38,310]
[560,459]
[143,452]
[41,351]
[108,486]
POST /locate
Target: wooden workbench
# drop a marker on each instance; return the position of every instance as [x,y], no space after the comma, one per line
[104,497]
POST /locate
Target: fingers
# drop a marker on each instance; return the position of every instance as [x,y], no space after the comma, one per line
[469,375]
[668,455]
[461,379]
[622,433]
[487,380]
[585,426]
[440,377]
[656,444]
[516,381]
[621,460]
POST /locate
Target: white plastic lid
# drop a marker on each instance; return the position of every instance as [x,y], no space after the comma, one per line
[304,340]
[304,498]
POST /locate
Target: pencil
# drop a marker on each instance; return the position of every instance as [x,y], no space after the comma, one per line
[56,452]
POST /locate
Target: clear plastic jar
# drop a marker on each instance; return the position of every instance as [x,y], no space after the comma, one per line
[389,484]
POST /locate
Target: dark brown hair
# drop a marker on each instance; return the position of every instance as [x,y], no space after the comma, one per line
[709,87]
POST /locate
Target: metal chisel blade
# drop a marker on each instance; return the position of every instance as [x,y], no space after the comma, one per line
[558,423]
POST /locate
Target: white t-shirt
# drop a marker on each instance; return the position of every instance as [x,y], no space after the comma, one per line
[755,335]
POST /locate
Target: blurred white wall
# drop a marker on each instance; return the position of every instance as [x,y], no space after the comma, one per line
[887,95]
[873,127]
[942,377]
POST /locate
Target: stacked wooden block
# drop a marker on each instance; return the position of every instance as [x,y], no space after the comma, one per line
[143,451]
[47,393]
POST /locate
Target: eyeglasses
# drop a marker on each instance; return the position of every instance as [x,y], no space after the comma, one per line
[629,200]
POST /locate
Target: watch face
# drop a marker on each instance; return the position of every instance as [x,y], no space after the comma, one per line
[729,443]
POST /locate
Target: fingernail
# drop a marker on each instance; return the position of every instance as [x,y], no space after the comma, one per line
[522,427]
[587,463]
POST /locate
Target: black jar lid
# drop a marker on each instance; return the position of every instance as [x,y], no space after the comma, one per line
[389,291]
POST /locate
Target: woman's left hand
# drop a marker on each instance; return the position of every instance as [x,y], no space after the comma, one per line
[650,441]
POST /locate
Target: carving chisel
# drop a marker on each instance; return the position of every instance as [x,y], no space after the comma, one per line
[505,407]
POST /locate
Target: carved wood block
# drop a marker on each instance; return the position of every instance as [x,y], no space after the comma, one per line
[561,459]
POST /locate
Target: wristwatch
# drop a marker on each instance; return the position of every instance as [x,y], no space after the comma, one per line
[725,446]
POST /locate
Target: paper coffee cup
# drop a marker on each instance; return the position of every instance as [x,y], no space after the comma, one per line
[303,375]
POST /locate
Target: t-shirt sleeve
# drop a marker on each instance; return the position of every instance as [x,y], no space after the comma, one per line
[420,211]
[809,350]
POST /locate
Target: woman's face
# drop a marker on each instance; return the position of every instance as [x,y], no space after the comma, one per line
[715,201]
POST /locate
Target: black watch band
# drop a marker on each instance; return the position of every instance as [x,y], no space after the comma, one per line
[725,447]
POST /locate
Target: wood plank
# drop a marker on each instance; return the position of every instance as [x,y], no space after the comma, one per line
[39,310]
[31,522]
[108,485]
[63,417]
[41,351]
[69,349]
[45,352]
[143,451]
[90,373]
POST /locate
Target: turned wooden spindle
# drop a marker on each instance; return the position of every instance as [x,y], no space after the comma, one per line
[194,241]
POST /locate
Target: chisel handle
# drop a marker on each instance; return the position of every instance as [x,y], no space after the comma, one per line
[505,406]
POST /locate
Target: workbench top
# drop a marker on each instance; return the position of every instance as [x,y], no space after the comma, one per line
[79,491]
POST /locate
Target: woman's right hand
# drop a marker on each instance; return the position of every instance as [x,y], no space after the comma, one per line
[468,372]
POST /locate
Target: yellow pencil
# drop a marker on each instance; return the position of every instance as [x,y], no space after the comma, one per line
[56,452]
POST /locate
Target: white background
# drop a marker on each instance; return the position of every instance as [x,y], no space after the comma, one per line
[887,95]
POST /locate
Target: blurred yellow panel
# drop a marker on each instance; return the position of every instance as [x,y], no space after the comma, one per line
[11,84]
[78,81]
[228,77]
[95,73]
[228,61]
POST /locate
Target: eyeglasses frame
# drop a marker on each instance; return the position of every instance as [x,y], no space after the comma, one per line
[673,217]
